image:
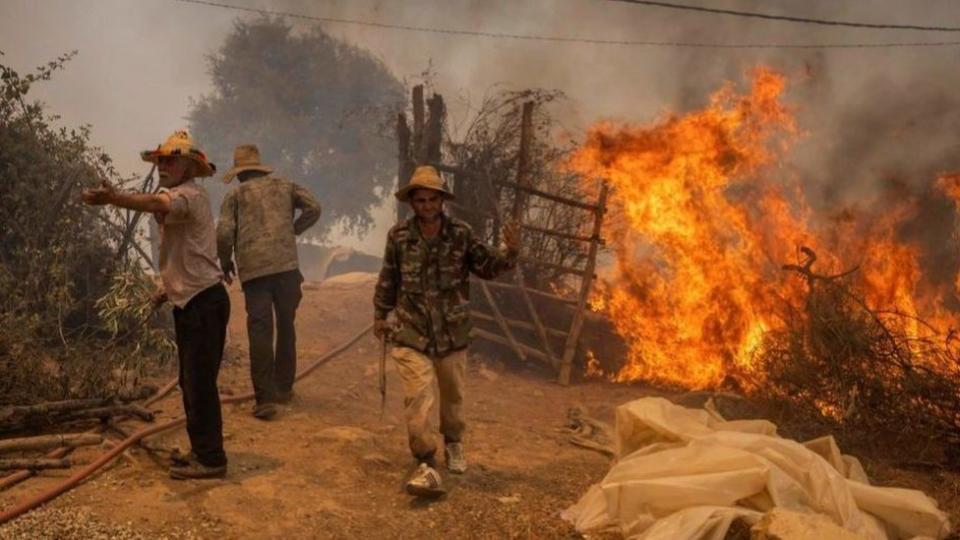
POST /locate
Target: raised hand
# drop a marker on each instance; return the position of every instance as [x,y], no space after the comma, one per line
[511,237]
[103,194]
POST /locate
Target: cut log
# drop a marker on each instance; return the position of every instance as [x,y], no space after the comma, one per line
[34,464]
[46,442]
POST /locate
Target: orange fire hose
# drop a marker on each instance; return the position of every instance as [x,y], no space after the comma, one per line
[108,456]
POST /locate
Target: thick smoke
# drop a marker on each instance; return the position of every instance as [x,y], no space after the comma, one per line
[873,118]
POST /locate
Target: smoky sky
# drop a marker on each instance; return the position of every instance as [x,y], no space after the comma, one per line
[869,116]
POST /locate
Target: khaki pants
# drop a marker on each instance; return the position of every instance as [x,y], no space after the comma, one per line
[418,371]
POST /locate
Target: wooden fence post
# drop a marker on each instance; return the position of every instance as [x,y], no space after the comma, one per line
[404,163]
[573,338]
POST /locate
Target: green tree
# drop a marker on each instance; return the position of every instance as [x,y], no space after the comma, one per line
[73,295]
[316,108]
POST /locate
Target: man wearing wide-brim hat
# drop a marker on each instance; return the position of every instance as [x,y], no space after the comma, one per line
[192,282]
[425,281]
[257,227]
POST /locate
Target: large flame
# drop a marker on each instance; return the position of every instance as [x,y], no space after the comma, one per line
[702,216]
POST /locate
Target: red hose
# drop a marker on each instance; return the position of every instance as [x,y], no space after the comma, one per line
[105,458]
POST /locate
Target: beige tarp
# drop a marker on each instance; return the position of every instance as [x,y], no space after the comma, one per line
[688,473]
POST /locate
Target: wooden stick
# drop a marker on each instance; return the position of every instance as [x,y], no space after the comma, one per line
[45,442]
[50,407]
[573,338]
[503,324]
[34,464]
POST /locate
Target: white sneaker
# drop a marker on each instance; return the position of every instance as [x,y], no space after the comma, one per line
[456,463]
[425,483]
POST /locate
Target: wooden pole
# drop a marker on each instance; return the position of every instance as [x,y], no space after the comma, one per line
[46,442]
[573,337]
[433,133]
[523,158]
[404,163]
[34,464]
[418,124]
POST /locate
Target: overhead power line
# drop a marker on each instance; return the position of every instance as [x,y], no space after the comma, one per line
[787,18]
[567,39]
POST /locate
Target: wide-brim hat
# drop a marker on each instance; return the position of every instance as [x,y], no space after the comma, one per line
[246,157]
[424,177]
[181,144]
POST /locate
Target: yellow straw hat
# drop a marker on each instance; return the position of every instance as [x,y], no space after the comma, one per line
[181,144]
[246,157]
[424,177]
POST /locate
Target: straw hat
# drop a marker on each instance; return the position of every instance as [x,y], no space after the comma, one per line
[181,144]
[424,177]
[246,157]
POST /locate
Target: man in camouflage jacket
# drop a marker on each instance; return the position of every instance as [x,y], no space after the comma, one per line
[425,282]
[257,224]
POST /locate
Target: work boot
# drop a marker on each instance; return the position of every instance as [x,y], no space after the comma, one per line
[264,411]
[194,470]
[178,458]
[425,483]
[456,463]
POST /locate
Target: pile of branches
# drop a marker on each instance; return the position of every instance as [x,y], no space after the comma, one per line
[74,297]
[871,376]
[490,145]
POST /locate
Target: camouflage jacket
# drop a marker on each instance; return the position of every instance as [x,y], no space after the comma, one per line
[428,284]
[256,221]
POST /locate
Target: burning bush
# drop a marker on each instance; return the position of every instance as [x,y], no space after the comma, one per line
[703,214]
[863,371]
[66,325]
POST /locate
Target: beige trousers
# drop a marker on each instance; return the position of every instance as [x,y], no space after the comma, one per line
[418,371]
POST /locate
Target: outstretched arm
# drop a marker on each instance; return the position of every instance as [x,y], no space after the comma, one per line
[105,193]
[309,209]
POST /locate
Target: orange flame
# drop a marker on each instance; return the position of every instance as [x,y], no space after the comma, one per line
[700,219]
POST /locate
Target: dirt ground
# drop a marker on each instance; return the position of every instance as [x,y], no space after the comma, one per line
[329,467]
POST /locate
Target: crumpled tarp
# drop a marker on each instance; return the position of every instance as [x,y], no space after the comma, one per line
[686,474]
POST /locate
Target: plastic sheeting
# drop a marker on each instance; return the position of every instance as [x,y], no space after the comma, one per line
[686,474]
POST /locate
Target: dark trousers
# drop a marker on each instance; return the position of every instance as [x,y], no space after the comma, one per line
[273,371]
[201,328]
